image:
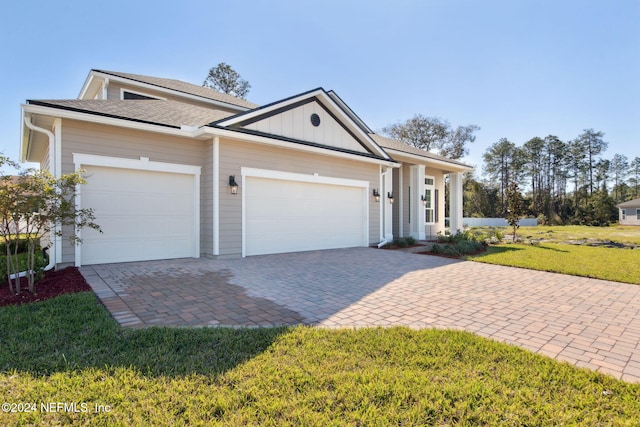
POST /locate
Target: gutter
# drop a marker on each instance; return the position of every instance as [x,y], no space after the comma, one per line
[52,166]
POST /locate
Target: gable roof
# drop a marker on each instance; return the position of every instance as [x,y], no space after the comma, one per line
[242,121]
[158,112]
[177,86]
[630,204]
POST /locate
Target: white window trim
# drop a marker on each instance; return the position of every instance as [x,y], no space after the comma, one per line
[80,160]
[246,172]
[431,187]
[624,214]
[123,90]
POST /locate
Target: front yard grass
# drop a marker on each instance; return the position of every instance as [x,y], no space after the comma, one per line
[617,233]
[618,265]
[70,350]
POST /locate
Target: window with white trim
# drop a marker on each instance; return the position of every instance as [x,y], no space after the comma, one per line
[638,213]
[429,200]
[624,214]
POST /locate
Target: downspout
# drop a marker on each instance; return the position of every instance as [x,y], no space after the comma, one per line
[384,240]
[52,165]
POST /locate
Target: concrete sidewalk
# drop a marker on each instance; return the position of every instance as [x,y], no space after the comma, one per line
[589,323]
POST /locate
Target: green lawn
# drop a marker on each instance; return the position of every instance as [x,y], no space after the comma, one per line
[555,254]
[618,265]
[69,350]
[616,233]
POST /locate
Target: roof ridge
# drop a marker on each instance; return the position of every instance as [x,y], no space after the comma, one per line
[196,90]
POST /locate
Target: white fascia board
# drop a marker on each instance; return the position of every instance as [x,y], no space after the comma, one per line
[86,85]
[328,102]
[94,118]
[170,91]
[450,167]
[244,137]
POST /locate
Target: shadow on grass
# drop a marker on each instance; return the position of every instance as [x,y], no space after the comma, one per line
[74,331]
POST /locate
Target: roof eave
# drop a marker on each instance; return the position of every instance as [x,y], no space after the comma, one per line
[450,166]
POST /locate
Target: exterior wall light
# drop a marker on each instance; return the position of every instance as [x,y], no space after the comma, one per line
[376,195]
[390,197]
[424,199]
[233,185]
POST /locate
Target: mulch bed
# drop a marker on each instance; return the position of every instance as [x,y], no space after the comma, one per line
[53,283]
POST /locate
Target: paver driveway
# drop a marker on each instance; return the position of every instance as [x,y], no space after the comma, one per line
[587,322]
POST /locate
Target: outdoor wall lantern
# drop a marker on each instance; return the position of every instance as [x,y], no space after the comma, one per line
[376,195]
[233,185]
[390,197]
[424,199]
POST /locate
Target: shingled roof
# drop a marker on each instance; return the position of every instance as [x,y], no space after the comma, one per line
[183,87]
[393,144]
[159,112]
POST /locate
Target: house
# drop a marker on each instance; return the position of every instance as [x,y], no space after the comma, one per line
[178,170]
[629,212]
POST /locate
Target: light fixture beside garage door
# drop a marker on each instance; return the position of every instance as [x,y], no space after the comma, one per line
[233,185]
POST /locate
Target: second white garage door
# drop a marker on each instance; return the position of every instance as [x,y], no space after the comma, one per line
[284,215]
[144,215]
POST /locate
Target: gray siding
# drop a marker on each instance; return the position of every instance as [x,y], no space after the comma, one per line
[234,155]
[87,138]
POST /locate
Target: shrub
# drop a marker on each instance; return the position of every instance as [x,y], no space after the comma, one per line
[410,241]
[399,242]
[22,246]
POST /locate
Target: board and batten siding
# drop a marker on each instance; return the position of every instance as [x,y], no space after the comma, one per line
[295,123]
[236,154]
[102,140]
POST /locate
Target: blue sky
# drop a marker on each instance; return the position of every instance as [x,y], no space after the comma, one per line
[517,69]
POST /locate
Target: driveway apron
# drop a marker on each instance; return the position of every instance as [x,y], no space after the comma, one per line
[587,322]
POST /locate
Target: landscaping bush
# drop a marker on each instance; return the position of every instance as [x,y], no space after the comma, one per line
[400,242]
[39,265]
[22,246]
[457,244]
[411,241]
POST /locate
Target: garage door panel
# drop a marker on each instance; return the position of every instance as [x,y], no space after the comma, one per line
[289,216]
[144,215]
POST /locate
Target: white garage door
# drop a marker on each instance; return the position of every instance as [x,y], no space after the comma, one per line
[144,215]
[289,216]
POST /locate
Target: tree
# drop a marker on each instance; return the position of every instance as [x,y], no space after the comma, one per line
[455,145]
[593,145]
[226,80]
[433,134]
[503,162]
[620,170]
[37,204]
[515,207]
[635,172]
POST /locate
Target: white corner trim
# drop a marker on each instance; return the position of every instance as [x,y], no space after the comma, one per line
[299,177]
[216,195]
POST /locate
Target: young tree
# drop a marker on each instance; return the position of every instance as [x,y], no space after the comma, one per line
[226,80]
[39,204]
[515,207]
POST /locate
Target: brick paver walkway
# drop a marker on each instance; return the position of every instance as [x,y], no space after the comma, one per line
[587,322]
